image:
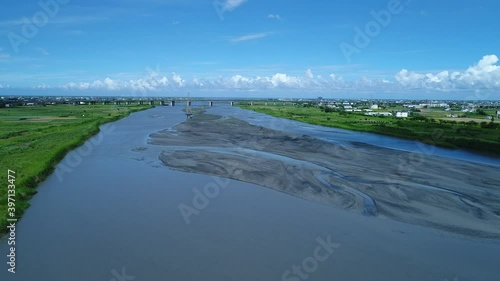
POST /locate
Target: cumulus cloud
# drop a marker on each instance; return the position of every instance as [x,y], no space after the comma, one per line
[152,81]
[309,74]
[106,84]
[155,82]
[178,79]
[483,75]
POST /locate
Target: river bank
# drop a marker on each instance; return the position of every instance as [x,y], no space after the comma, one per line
[36,139]
[470,136]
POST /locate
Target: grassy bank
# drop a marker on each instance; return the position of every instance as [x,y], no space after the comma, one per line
[473,136]
[34,139]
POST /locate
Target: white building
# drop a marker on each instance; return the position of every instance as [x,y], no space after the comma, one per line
[402,114]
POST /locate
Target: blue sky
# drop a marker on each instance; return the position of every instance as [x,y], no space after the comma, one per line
[246,48]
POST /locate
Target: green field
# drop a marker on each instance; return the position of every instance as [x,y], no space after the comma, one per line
[34,139]
[481,137]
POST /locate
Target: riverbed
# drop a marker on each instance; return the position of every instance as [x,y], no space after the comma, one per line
[112,208]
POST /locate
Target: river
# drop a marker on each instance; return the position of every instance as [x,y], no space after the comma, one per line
[111,211]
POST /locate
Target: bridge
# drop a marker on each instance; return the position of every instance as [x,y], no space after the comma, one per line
[160,102]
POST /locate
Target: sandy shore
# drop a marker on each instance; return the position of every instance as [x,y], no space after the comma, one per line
[455,196]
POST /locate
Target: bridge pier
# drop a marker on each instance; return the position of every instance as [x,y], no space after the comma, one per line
[172,103]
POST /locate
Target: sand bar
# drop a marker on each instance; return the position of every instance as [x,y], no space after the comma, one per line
[456,196]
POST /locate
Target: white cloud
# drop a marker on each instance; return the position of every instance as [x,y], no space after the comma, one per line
[106,84]
[178,79]
[151,83]
[274,16]
[309,74]
[483,75]
[155,82]
[281,79]
[249,37]
[43,86]
[230,5]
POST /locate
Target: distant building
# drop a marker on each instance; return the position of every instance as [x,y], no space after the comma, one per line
[374,107]
[386,114]
[402,114]
[498,114]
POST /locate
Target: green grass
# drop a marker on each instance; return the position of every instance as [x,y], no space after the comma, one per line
[34,139]
[474,137]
